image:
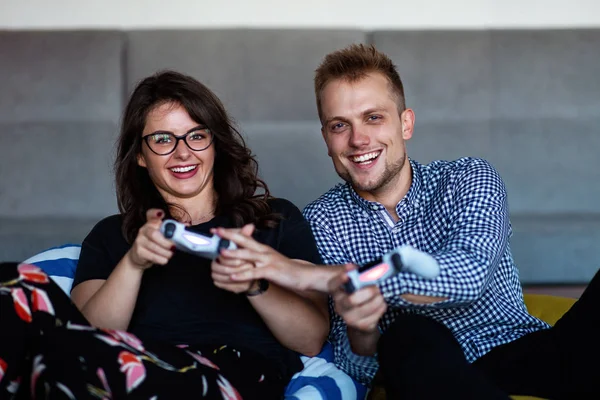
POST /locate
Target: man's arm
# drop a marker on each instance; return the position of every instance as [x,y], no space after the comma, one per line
[480,231]
[354,344]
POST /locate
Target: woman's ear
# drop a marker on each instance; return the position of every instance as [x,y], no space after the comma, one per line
[141,160]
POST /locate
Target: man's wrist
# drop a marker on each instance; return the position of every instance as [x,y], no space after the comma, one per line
[363,343]
[363,333]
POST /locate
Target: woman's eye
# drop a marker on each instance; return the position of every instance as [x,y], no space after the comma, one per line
[161,138]
[197,136]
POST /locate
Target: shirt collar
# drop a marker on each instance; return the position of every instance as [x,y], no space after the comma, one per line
[410,199]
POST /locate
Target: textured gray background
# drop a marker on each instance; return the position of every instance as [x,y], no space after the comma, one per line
[528,101]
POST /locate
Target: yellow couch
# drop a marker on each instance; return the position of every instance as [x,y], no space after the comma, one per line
[545,307]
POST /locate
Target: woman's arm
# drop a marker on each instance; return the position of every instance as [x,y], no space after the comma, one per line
[110,303]
[299,323]
[298,319]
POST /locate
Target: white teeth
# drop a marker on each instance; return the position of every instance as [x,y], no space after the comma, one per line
[184,169]
[366,157]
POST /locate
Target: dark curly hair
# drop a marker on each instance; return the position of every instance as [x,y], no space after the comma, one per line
[236,180]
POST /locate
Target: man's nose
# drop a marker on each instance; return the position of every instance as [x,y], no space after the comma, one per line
[358,137]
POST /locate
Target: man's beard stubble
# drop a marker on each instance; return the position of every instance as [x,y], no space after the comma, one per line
[388,175]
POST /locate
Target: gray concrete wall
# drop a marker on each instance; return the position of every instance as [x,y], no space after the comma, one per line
[528,101]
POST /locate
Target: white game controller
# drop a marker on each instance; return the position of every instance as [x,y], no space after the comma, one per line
[402,258]
[207,246]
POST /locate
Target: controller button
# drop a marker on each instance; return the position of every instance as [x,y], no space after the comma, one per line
[349,287]
[397,261]
[169,230]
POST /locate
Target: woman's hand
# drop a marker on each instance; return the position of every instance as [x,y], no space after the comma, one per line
[293,274]
[298,318]
[223,267]
[150,246]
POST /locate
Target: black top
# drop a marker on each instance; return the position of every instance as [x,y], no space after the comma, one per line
[178,302]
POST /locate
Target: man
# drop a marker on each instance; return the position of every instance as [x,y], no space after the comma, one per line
[465,334]
[455,211]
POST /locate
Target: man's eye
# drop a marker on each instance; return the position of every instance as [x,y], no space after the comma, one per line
[374,117]
[337,126]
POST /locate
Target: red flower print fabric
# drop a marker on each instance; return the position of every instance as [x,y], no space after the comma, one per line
[48,350]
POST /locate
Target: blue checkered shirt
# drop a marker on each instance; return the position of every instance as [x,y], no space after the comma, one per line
[454,210]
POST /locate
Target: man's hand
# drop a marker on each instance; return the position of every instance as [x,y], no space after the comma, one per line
[361,311]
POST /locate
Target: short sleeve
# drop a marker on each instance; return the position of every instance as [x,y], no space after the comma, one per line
[101,250]
[296,239]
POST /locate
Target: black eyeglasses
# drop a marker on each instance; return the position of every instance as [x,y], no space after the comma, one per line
[164,143]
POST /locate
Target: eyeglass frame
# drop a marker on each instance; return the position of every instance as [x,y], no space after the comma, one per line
[178,138]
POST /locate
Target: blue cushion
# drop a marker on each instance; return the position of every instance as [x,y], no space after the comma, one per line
[59,263]
[322,380]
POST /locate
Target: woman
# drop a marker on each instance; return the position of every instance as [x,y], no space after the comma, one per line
[191,328]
